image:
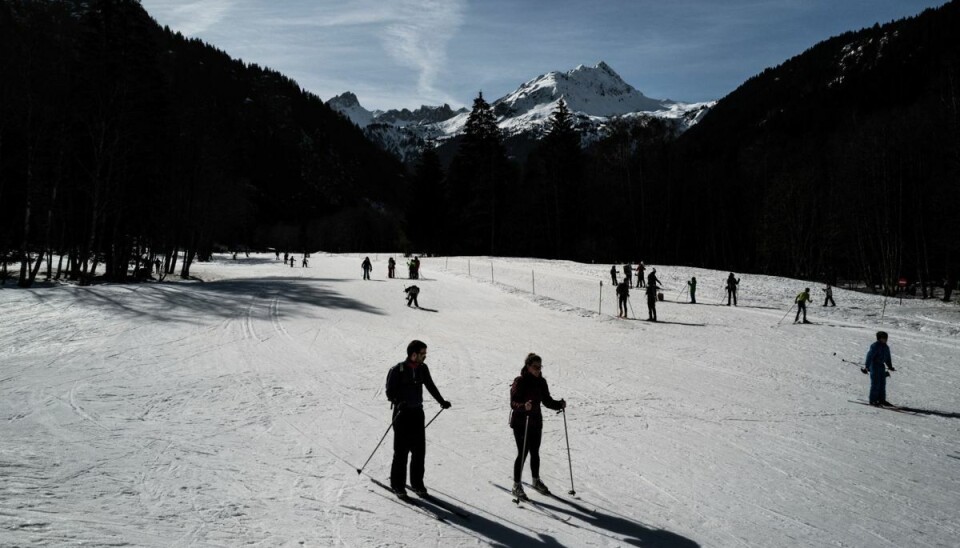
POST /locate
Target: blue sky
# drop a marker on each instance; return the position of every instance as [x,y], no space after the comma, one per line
[404,53]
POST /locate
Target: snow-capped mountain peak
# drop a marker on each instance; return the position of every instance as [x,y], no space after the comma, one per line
[347,104]
[594,95]
[594,91]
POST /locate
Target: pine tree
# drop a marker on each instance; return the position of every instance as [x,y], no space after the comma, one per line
[476,180]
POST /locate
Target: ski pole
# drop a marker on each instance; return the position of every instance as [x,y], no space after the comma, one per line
[632,313]
[434,418]
[677,298]
[569,461]
[360,470]
[787,314]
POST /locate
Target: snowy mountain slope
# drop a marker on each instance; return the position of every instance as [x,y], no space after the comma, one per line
[595,95]
[236,411]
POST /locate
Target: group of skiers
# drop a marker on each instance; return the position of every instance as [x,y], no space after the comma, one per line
[628,274]
[404,389]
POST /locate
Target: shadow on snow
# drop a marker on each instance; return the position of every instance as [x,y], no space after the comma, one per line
[224,298]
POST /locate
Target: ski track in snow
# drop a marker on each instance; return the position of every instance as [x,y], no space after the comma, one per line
[236,411]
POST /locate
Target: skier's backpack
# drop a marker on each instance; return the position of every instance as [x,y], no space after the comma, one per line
[393,382]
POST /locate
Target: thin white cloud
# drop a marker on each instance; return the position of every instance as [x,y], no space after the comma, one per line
[418,38]
[192,18]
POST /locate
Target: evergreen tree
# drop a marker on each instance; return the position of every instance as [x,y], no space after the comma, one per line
[476,181]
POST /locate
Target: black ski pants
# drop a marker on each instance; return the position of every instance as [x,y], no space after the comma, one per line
[534,434]
[829,299]
[408,437]
[622,304]
[412,298]
[801,307]
[652,308]
[732,294]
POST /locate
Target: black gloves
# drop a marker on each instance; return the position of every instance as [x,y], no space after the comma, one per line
[863,370]
[445,404]
[890,367]
[563,403]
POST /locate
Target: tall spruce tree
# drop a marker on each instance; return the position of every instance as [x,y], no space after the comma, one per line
[563,169]
[476,181]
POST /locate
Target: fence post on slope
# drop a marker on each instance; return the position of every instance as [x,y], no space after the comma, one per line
[533,281]
[600,306]
[491,271]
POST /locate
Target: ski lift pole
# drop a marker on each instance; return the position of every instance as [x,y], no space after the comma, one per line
[600,306]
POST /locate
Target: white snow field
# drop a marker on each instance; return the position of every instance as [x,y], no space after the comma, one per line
[236,411]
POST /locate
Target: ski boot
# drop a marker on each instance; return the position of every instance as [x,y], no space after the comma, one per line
[419,491]
[518,492]
[540,487]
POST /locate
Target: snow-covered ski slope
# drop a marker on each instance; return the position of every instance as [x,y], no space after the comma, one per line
[236,411]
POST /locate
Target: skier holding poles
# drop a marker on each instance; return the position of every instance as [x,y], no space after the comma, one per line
[732,283]
[527,392]
[623,293]
[693,289]
[405,383]
[877,363]
[802,299]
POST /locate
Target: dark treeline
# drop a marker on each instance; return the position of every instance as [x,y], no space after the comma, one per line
[123,142]
[842,163]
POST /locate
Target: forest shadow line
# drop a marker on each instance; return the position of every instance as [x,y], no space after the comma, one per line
[173,302]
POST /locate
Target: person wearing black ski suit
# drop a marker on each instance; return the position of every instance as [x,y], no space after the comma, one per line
[405,383]
[527,392]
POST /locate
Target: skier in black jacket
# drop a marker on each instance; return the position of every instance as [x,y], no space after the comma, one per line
[405,383]
[526,394]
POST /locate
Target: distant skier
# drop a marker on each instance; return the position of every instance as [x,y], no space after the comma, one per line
[877,363]
[651,301]
[628,274]
[292,259]
[412,293]
[652,279]
[829,298]
[416,267]
[527,392]
[367,267]
[802,299]
[613,274]
[391,268]
[732,284]
[277,253]
[623,293]
[157,264]
[286,257]
[640,271]
[304,262]
[692,284]
[405,383]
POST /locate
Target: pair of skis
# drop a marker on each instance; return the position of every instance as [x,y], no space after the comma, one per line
[421,504]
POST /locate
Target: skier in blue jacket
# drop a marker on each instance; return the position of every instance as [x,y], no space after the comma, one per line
[878,361]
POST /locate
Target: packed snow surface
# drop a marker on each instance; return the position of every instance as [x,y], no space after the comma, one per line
[237,410]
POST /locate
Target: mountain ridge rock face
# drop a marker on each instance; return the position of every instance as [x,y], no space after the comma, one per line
[595,96]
